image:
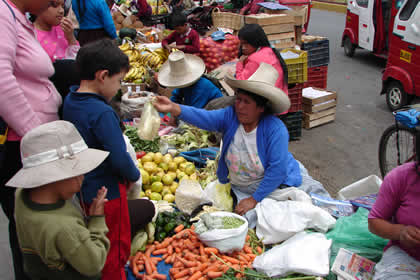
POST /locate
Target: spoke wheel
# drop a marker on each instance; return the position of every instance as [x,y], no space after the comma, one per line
[397,146]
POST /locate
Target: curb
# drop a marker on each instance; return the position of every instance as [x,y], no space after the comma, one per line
[338,8]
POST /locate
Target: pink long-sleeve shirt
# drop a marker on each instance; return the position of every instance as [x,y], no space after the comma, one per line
[398,202]
[245,69]
[55,44]
[27,97]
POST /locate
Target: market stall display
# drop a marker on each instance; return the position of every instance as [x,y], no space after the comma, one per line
[216,53]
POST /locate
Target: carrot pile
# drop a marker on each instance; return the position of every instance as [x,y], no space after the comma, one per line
[190,258]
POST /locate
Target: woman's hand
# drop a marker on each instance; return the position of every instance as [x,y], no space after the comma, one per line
[410,236]
[245,205]
[164,105]
[98,204]
[68,29]
[243,58]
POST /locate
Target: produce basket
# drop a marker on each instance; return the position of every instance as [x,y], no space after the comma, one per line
[318,52]
[295,96]
[227,20]
[317,77]
[293,122]
[297,67]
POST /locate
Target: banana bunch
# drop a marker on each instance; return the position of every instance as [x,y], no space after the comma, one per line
[136,73]
[162,53]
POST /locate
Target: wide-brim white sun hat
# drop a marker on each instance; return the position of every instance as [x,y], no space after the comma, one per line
[53,152]
[181,70]
[262,83]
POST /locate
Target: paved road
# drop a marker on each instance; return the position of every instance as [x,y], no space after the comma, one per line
[336,154]
[344,151]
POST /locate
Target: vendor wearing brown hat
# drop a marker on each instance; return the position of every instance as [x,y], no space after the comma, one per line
[56,240]
[184,73]
[255,152]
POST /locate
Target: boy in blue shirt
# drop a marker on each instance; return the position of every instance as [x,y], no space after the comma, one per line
[102,66]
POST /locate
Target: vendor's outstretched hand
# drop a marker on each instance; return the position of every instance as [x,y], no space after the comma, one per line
[164,105]
[245,205]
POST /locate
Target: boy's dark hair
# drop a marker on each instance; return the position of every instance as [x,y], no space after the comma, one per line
[101,55]
[254,35]
[178,19]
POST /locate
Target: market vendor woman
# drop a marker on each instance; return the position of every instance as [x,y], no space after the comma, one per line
[255,152]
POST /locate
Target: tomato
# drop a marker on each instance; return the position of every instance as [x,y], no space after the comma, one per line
[140,154]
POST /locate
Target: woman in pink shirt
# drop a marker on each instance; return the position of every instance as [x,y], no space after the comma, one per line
[28,98]
[255,49]
[395,216]
[55,32]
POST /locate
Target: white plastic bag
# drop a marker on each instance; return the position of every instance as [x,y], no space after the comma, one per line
[148,126]
[290,193]
[219,194]
[133,107]
[189,195]
[280,220]
[226,240]
[306,253]
[134,192]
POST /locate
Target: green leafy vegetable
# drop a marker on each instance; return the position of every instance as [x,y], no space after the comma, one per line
[139,144]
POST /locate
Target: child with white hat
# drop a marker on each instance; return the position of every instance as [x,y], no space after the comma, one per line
[56,240]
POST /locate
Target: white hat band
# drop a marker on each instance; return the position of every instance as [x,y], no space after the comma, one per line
[53,155]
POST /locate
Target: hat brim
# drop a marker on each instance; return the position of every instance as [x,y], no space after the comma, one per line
[279,100]
[58,170]
[196,69]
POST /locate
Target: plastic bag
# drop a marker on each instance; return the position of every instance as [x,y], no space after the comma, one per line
[148,126]
[290,218]
[226,240]
[352,233]
[189,195]
[306,253]
[219,195]
[135,190]
[215,54]
[133,107]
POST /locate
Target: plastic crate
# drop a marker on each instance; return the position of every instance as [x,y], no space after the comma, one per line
[318,52]
[317,77]
[293,122]
[295,96]
[297,68]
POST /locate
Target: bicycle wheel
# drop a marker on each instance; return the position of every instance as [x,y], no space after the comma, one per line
[397,146]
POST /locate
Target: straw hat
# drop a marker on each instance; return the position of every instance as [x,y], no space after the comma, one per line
[181,70]
[53,152]
[262,83]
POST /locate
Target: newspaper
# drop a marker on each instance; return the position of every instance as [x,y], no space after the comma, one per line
[350,266]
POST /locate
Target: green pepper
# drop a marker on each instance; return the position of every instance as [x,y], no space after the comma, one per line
[162,236]
[170,226]
[160,221]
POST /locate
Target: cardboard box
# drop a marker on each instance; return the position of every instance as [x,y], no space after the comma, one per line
[266,19]
[278,28]
[284,43]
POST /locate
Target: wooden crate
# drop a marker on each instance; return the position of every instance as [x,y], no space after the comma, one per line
[278,28]
[282,40]
[266,19]
[300,14]
[311,120]
[320,109]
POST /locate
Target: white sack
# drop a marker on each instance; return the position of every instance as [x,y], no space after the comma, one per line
[280,220]
[134,192]
[306,253]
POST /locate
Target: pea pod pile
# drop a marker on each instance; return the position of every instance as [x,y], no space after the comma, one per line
[166,223]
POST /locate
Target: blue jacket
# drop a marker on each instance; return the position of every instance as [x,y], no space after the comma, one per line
[99,126]
[272,143]
[96,15]
[197,95]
